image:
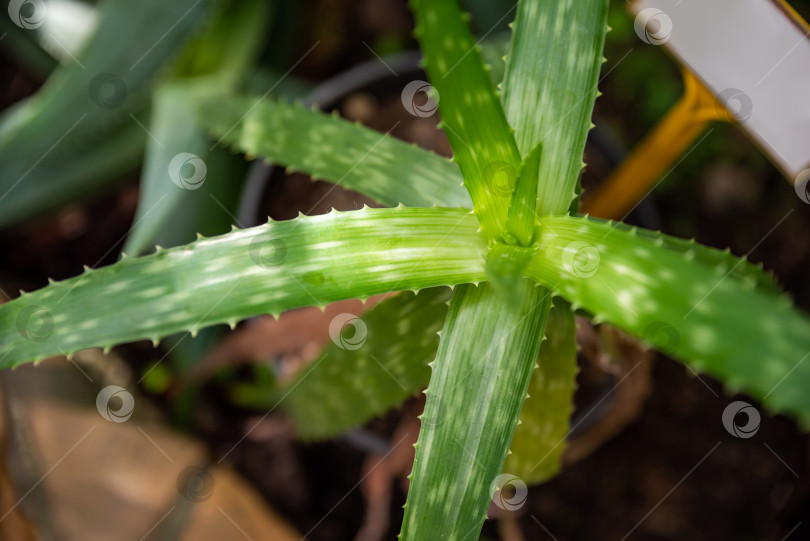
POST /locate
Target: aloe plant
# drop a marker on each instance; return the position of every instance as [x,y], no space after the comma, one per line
[496,222]
[90,122]
[85,104]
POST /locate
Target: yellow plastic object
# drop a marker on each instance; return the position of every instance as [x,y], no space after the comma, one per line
[794,15]
[651,160]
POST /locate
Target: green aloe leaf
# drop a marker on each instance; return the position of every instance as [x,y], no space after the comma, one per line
[716,319]
[26,49]
[389,363]
[520,223]
[360,380]
[174,137]
[552,70]
[472,117]
[339,408]
[385,364]
[267,269]
[100,164]
[437,481]
[548,93]
[506,266]
[81,105]
[208,211]
[486,355]
[233,42]
[494,48]
[539,440]
[721,260]
[330,148]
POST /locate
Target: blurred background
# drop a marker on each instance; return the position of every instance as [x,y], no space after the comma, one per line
[202,455]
